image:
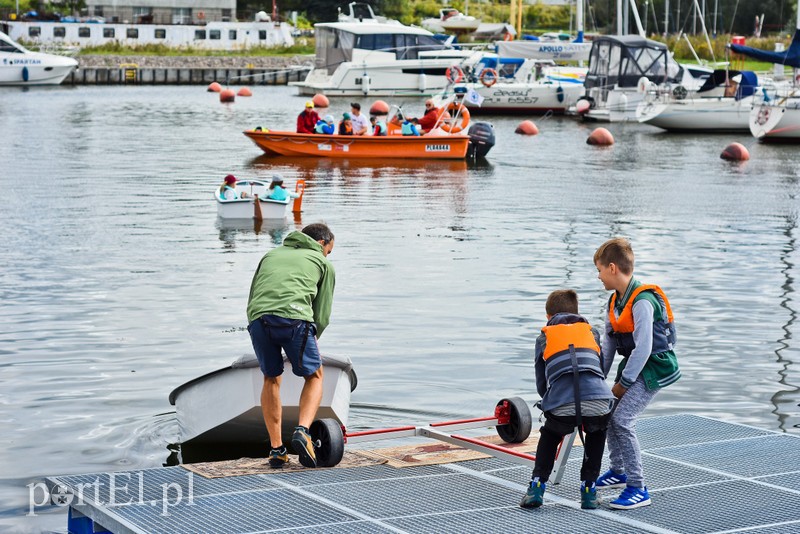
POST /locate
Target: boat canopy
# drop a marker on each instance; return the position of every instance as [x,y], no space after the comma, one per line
[335,42]
[622,60]
[789,57]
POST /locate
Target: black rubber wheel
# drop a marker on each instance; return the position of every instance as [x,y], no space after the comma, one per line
[328,434]
[519,428]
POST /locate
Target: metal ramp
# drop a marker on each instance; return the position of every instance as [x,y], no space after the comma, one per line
[704,476]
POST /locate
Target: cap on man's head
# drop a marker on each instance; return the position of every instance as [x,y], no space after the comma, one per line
[346,116]
[328,118]
[309,104]
[356,105]
[230,179]
[277,179]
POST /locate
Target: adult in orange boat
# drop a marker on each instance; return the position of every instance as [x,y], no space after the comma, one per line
[307,119]
[428,121]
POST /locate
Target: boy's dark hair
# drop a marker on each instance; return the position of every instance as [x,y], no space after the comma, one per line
[562,301]
[319,232]
[617,251]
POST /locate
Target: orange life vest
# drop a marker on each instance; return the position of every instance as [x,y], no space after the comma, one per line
[564,339]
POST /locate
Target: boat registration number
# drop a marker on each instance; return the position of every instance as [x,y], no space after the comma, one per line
[329,148]
[437,148]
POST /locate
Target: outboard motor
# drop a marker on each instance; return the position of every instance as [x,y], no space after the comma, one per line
[481,139]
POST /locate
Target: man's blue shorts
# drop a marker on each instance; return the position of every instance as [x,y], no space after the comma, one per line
[297,338]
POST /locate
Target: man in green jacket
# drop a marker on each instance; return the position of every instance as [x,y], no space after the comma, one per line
[289,307]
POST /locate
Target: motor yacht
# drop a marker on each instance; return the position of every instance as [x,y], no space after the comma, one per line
[363,55]
[20,66]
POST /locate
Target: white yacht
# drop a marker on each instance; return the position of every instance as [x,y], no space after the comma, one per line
[20,66]
[722,104]
[363,55]
[616,65]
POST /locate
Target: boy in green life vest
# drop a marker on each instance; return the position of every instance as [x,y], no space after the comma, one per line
[638,326]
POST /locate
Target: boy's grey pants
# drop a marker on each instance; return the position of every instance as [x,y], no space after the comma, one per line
[623,445]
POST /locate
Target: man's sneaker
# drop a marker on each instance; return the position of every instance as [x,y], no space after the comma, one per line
[631,498]
[535,495]
[304,447]
[278,457]
[588,496]
[610,479]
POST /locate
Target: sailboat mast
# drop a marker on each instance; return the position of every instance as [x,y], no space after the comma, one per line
[579,17]
[666,18]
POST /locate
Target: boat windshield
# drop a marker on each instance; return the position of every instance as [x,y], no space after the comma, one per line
[9,46]
[335,45]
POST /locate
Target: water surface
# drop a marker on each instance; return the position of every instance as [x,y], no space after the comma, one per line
[119,283]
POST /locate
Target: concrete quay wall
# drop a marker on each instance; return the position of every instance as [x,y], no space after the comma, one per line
[198,70]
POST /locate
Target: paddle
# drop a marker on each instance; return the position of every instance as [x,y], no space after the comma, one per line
[257,209]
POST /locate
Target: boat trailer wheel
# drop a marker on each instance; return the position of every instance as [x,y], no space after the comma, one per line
[328,442]
[520,421]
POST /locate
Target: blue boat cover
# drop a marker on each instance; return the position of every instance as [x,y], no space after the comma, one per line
[790,57]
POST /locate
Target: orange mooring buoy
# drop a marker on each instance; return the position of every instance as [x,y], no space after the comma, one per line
[582,106]
[600,137]
[227,95]
[527,128]
[735,152]
[320,101]
[379,108]
[214,87]
[299,187]
[244,91]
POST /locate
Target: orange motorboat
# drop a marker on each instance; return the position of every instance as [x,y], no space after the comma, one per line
[448,146]
[449,139]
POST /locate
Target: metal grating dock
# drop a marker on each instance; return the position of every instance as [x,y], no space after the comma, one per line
[704,476]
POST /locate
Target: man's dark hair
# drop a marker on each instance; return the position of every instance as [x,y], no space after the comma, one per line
[319,232]
[562,301]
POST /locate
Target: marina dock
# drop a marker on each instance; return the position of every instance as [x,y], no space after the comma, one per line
[704,475]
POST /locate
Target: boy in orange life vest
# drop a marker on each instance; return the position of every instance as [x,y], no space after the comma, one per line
[570,378]
[639,326]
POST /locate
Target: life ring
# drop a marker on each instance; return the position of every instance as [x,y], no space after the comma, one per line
[454,74]
[508,37]
[463,112]
[491,74]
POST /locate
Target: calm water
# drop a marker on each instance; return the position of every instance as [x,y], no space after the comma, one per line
[119,283]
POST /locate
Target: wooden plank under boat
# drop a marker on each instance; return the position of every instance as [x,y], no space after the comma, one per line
[453,146]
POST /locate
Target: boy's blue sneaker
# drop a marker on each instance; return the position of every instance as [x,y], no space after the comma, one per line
[304,447]
[610,479]
[534,497]
[631,498]
[588,496]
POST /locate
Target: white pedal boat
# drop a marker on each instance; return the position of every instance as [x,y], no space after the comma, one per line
[224,406]
[245,208]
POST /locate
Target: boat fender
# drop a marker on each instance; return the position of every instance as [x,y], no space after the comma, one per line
[454,74]
[642,85]
[423,82]
[488,77]
[365,84]
[462,112]
[560,93]
[679,92]
[24,74]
